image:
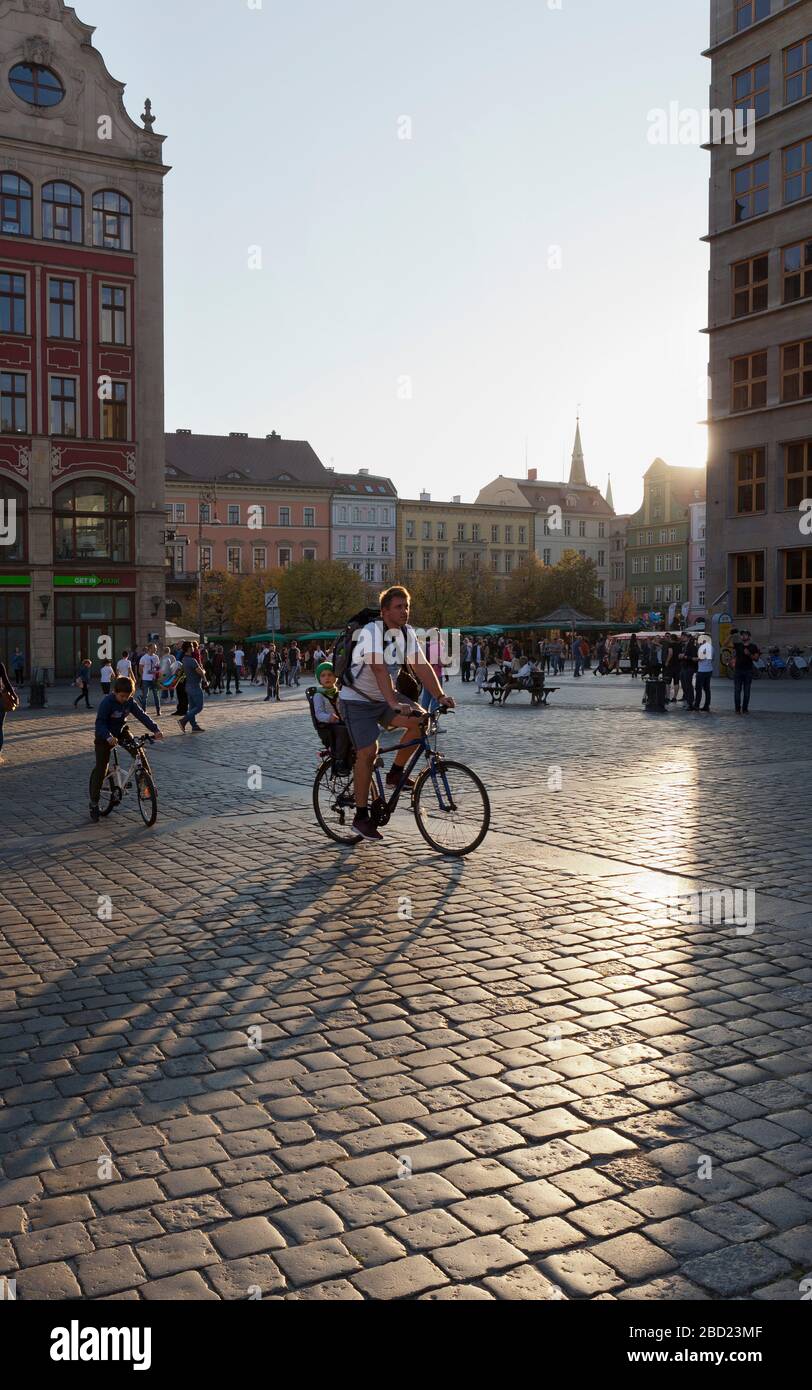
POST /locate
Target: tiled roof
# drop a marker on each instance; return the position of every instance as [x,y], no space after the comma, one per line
[221,458]
[363,484]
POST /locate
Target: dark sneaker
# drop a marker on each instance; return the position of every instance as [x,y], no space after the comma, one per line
[362,825]
[198,729]
[393,780]
[94,811]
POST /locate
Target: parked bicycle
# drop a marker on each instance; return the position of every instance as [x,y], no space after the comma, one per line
[450,803]
[797,663]
[118,782]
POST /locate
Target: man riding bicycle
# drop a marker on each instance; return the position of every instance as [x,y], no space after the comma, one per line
[371,701]
[111,728]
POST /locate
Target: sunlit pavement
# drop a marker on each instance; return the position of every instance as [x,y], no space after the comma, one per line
[238,1061]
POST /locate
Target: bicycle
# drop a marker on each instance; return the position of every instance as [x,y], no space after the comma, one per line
[117,783]
[453,822]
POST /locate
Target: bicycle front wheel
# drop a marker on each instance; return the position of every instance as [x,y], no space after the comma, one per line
[451,808]
[109,796]
[334,804]
[147,796]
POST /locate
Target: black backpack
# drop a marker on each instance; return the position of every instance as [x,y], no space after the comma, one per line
[345,644]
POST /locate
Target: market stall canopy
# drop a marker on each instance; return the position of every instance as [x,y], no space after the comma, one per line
[294,637]
[567,616]
[180,634]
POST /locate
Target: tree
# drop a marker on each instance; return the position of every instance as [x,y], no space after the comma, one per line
[525,595]
[625,610]
[574,581]
[248,611]
[319,594]
[440,598]
[219,596]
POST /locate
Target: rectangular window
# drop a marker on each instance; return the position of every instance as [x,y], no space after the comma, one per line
[672,535]
[384,516]
[372,515]
[663,537]
[798,171]
[750,285]
[547,557]
[700,598]
[370,545]
[748,584]
[426,559]
[260,557]
[204,512]
[356,515]
[426,530]
[750,477]
[797,271]
[310,554]
[522,535]
[658,564]
[113,314]
[441,531]
[601,530]
[495,561]
[179,512]
[798,580]
[796,370]
[115,412]
[342,515]
[284,557]
[494,534]
[234,560]
[356,545]
[700,574]
[601,558]
[63,405]
[751,190]
[461,531]
[658,593]
[508,535]
[410,561]
[441,560]
[461,560]
[205,557]
[284,516]
[385,574]
[474,532]
[749,386]
[370,571]
[751,88]
[342,545]
[410,530]
[676,561]
[798,71]
[384,545]
[582,528]
[567,527]
[508,561]
[309,516]
[233,514]
[61,308]
[798,472]
[750,11]
[12,303]
[256,516]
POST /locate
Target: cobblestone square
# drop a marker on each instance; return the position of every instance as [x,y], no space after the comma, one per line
[276,1068]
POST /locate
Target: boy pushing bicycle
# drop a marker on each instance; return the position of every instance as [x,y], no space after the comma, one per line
[111,729]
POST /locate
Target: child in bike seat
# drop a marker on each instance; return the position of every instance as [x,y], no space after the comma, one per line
[111,728]
[331,726]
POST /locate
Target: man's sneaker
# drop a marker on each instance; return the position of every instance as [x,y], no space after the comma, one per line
[198,729]
[94,811]
[363,826]
[393,779]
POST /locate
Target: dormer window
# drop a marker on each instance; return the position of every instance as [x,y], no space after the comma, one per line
[171,472]
[234,477]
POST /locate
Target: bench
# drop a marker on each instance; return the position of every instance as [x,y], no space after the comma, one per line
[500,687]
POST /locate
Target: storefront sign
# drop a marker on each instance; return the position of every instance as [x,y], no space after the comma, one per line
[94,581]
[16,581]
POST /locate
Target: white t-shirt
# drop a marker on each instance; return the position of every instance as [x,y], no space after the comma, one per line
[148,666]
[239,657]
[372,641]
[107,673]
[123,667]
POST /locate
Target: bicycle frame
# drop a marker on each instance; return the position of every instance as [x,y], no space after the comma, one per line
[421,745]
[115,774]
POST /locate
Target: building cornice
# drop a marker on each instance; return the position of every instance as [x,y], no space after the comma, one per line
[712,145]
[74,156]
[751,29]
[757,221]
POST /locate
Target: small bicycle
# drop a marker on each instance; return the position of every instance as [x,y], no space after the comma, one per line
[118,782]
[449,801]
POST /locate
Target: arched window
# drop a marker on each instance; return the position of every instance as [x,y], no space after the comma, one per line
[61,212]
[112,221]
[35,84]
[16,203]
[13,499]
[93,520]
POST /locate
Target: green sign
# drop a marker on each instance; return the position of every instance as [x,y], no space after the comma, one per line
[81,581]
[19,581]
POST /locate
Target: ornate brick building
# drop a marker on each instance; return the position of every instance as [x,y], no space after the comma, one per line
[81,348]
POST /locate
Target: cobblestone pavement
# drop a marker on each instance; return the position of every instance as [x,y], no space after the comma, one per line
[281,1069]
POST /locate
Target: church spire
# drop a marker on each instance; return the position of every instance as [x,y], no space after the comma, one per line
[609,500]
[577,471]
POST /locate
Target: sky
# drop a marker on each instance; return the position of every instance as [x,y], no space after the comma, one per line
[423,235]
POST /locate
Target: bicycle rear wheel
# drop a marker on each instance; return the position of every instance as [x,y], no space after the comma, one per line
[109,796]
[147,796]
[451,808]
[334,804]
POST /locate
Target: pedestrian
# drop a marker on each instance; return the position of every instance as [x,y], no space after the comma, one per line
[166,670]
[83,680]
[148,669]
[704,672]
[481,674]
[465,660]
[745,655]
[195,675]
[9,701]
[295,662]
[233,671]
[271,673]
[218,666]
[634,654]
[18,666]
[107,677]
[124,667]
[600,654]
[688,670]
[239,659]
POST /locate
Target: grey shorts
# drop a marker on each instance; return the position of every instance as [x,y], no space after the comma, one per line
[364,718]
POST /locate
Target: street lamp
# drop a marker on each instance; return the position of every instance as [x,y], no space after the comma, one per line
[207,497]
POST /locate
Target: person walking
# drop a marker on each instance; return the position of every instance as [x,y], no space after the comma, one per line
[271,673]
[233,672]
[166,670]
[18,666]
[195,676]
[148,668]
[107,676]
[83,680]
[704,673]
[688,669]
[218,666]
[124,667]
[295,663]
[745,655]
[9,701]
[634,654]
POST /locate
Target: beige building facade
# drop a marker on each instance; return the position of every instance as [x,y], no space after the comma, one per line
[759,558]
[461,536]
